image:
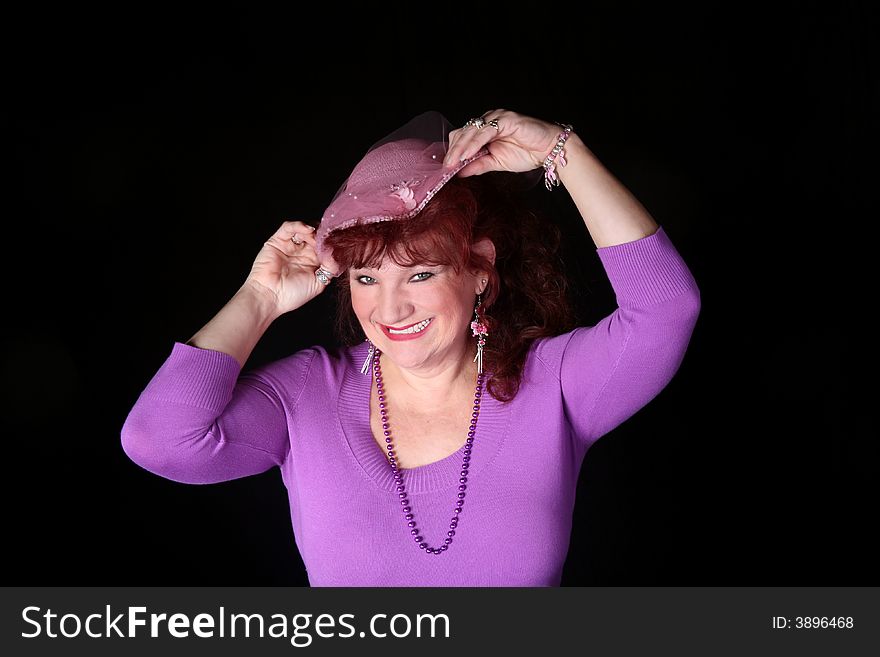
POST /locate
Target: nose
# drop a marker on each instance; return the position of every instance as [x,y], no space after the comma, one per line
[395,309]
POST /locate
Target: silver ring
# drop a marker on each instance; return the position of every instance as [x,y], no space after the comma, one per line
[296,240]
[324,275]
[494,124]
[478,123]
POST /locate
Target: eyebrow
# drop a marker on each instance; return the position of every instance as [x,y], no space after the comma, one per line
[407,268]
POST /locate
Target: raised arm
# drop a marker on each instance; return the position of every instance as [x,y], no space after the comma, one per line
[608,371]
[610,211]
[199,421]
[611,370]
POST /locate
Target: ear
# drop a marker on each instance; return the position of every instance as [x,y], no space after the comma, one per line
[485,247]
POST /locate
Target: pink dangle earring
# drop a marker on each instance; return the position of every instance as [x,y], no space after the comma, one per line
[480,330]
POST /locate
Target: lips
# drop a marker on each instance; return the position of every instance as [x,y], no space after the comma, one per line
[397,337]
[402,328]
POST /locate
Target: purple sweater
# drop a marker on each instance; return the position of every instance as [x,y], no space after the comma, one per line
[200,420]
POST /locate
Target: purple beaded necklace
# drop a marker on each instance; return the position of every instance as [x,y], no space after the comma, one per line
[398,477]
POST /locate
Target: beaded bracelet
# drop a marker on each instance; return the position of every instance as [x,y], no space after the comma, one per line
[550,177]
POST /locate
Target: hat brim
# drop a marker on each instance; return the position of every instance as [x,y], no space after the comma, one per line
[377,203]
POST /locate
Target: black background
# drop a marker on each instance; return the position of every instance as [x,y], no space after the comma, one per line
[150,157]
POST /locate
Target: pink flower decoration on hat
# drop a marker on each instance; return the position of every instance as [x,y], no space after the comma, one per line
[404,192]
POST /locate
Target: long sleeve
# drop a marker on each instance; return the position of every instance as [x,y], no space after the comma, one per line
[199,421]
[611,370]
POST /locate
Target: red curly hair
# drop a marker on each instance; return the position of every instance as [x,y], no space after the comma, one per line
[527,296]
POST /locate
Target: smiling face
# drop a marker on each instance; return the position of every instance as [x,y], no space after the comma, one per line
[399,297]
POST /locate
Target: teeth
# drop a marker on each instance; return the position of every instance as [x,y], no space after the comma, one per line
[412,329]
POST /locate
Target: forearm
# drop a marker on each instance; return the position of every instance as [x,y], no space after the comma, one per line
[239,325]
[612,214]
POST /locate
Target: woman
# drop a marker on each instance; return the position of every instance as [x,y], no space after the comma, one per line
[381,442]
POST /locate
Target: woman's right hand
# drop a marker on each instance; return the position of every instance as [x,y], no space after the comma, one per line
[285,271]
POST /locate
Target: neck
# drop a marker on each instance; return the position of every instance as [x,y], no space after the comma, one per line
[433,385]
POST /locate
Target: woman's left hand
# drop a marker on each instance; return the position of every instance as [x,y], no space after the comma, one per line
[519,144]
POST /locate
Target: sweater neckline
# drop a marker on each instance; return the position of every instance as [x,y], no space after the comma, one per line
[353,411]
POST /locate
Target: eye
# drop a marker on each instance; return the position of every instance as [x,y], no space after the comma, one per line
[423,273]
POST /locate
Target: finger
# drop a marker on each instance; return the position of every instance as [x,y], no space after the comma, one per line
[305,238]
[481,137]
[285,245]
[325,256]
[462,137]
[453,137]
[477,167]
[282,239]
[325,261]
[288,228]
[459,140]
[328,263]
[470,140]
